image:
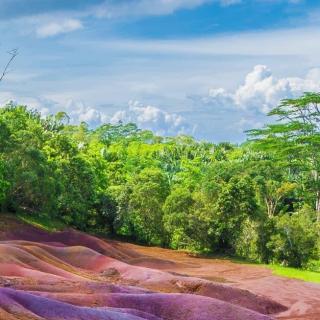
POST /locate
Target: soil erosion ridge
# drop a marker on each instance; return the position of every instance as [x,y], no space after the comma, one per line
[72,275]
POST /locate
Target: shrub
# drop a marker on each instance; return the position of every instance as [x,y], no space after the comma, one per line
[295,240]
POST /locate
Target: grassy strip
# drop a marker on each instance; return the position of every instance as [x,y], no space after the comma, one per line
[42,222]
[293,273]
[305,275]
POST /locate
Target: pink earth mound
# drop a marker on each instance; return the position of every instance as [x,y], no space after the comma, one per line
[71,275]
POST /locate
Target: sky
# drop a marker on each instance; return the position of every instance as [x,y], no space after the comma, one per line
[207,68]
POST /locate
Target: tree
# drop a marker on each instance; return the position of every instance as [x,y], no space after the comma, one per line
[27,170]
[4,184]
[272,185]
[236,203]
[294,239]
[149,191]
[178,208]
[295,139]
[175,192]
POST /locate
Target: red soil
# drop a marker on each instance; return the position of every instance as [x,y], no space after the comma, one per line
[301,298]
[71,275]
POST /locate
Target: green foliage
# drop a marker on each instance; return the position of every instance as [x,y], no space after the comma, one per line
[188,220]
[3,182]
[259,200]
[177,210]
[43,222]
[236,203]
[295,140]
[148,192]
[295,238]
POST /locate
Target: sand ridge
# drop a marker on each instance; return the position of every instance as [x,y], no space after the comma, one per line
[72,275]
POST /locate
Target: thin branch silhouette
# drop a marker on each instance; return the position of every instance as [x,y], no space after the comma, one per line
[13,53]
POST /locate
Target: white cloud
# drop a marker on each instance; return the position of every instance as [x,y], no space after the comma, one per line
[298,42]
[145,116]
[152,118]
[48,22]
[230,112]
[261,91]
[223,114]
[79,112]
[101,8]
[111,9]
[43,105]
[54,28]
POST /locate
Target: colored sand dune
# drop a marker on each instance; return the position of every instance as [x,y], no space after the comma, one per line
[71,275]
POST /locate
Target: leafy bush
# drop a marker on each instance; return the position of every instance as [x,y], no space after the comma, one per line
[295,240]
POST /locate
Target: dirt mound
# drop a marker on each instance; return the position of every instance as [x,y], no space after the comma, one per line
[78,276]
[13,229]
[44,263]
[120,306]
[23,305]
[302,299]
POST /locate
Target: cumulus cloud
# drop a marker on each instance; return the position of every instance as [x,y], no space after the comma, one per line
[145,116]
[246,107]
[42,104]
[77,110]
[261,91]
[59,27]
[224,114]
[152,118]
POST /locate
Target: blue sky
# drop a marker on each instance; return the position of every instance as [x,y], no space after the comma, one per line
[210,68]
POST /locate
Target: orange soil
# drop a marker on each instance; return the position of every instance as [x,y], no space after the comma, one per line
[301,298]
[84,271]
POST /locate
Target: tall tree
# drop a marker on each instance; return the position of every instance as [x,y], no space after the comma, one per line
[295,139]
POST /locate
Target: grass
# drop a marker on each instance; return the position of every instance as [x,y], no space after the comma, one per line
[294,273]
[43,222]
[288,272]
[305,275]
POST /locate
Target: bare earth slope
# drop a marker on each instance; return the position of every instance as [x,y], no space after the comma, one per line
[71,275]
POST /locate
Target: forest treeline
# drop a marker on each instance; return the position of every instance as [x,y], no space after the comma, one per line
[259,200]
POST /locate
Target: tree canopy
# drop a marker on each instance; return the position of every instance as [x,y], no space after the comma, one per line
[259,200]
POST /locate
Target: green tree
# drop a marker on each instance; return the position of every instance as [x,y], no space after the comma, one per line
[236,202]
[149,191]
[295,238]
[295,139]
[178,208]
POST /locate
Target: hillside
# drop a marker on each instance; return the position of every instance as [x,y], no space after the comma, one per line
[72,275]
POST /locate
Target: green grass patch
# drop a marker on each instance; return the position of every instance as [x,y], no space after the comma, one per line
[43,222]
[294,273]
[310,276]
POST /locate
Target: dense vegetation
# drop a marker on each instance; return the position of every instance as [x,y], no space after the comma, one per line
[260,200]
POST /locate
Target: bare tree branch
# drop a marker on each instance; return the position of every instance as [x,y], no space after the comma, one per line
[13,53]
